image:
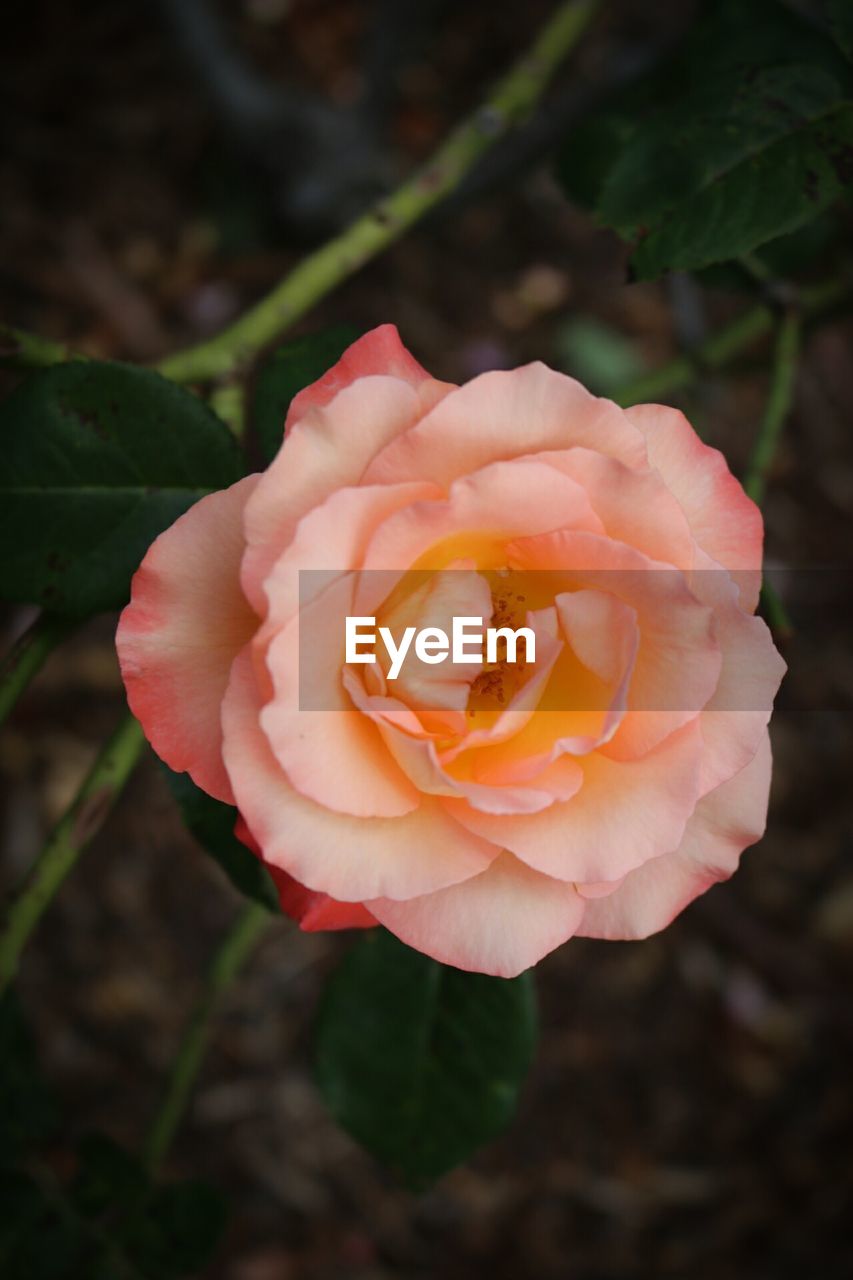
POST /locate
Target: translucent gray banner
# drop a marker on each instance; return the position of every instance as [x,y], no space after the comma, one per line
[596,641]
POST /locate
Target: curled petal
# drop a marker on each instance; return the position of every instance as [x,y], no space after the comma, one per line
[186,621]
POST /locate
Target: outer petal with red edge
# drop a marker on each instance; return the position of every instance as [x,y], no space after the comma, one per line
[726,821]
[378,351]
[334,429]
[186,621]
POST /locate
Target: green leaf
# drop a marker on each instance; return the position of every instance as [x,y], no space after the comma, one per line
[98,459]
[770,194]
[212,824]
[420,1062]
[593,147]
[694,145]
[784,257]
[28,1112]
[289,369]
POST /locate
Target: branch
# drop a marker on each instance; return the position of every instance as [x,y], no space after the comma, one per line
[26,656]
[70,837]
[233,950]
[22,350]
[778,405]
[724,345]
[320,272]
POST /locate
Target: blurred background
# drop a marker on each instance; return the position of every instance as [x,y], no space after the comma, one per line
[690,1112]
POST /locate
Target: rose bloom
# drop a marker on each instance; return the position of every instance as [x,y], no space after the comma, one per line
[478,814]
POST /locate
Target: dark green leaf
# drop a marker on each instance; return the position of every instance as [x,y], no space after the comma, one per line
[782,258]
[97,460]
[696,144]
[212,824]
[420,1062]
[27,1108]
[593,147]
[290,368]
[736,141]
[776,192]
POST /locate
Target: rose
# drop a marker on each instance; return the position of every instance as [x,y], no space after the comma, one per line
[481,833]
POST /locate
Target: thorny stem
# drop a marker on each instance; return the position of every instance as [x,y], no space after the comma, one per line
[22,350]
[233,950]
[71,835]
[778,618]
[26,656]
[228,402]
[783,376]
[512,99]
[724,345]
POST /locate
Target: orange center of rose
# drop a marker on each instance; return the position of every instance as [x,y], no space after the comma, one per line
[499,681]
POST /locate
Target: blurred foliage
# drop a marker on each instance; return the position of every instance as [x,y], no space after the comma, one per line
[108,1220]
[746,134]
[27,1109]
[598,355]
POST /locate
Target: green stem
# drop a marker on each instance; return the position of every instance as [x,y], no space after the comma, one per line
[783,376]
[233,950]
[778,618]
[724,345]
[22,350]
[228,401]
[70,836]
[24,660]
[514,96]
